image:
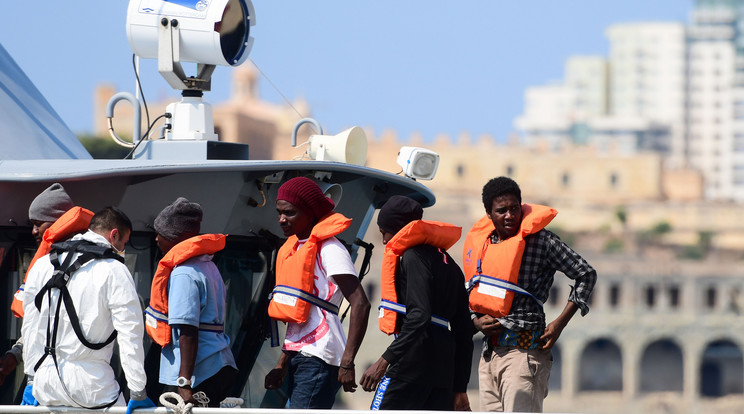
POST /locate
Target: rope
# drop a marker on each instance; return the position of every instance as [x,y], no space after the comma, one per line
[182,407]
[231,402]
[201,398]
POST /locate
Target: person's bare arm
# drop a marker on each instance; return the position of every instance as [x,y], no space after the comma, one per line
[554,329]
[354,293]
[374,374]
[275,377]
[188,342]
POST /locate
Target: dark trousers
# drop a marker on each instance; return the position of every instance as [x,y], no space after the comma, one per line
[396,394]
[312,382]
[217,387]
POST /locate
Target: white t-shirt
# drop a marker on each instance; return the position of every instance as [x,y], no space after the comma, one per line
[322,334]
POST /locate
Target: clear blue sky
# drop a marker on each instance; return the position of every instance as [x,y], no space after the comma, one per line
[429,66]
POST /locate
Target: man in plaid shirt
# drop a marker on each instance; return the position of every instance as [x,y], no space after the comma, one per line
[515,365]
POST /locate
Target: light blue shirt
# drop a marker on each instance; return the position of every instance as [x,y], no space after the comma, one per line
[196,295]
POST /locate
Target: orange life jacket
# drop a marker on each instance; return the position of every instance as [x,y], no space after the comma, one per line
[156,315]
[434,233]
[73,221]
[295,272]
[492,270]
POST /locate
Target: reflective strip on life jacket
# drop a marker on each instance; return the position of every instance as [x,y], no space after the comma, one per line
[492,269]
[295,269]
[163,318]
[289,295]
[73,221]
[156,315]
[398,308]
[295,293]
[499,284]
[434,233]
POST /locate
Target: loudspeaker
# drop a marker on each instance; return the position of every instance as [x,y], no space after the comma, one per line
[349,146]
[332,190]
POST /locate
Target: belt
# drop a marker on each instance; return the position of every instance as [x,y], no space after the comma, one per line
[524,339]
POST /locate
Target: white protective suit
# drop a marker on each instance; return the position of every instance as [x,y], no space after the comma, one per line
[105,299]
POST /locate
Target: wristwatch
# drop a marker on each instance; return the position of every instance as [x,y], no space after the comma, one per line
[183,382]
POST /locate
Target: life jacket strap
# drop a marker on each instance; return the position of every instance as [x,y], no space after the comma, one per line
[212,327]
[499,283]
[274,331]
[307,297]
[300,294]
[160,316]
[397,307]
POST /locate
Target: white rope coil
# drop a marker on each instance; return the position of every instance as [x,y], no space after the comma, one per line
[180,407]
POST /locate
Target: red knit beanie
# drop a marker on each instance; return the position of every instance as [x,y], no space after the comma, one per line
[305,194]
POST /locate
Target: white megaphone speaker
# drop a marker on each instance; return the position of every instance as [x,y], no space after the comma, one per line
[349,146]
[332,190]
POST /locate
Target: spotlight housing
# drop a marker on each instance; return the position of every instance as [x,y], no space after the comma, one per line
[212,32]
[418,163]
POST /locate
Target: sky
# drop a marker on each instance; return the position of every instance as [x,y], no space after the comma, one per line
[411,66]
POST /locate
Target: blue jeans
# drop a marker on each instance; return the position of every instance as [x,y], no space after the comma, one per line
[312,382]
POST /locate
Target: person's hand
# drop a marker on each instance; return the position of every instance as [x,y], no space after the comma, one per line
[275,378]
[487,324]
[461,402]
[347,377]
[8,363]
[373,375]
[137,404]
[188,395]
[551,334]
[28,396]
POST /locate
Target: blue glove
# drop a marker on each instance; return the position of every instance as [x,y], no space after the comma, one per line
[135,404]
[28,396]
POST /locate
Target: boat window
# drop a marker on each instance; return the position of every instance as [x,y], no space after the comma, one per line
[17,248]
[243,266]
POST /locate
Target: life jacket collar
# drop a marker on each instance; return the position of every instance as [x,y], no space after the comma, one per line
[294,294]
[417,232]
[492,270]
[156,315]
[74,220]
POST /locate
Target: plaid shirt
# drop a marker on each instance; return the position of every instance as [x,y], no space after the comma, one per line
[544,254]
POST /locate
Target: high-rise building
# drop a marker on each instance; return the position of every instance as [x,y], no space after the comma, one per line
[715,85]
[668,87]
[634,100]
[647,82]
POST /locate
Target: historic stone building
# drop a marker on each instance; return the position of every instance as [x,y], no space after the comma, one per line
[662,336]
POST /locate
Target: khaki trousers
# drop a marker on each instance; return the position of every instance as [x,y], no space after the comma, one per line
[514,380]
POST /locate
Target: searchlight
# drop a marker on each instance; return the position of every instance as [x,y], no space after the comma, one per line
[205,32]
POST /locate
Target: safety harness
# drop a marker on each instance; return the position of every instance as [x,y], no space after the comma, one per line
[60,278]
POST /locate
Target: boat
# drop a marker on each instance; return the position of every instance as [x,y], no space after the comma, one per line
[236,192]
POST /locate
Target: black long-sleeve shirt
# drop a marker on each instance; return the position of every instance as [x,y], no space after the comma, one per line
[428,281]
